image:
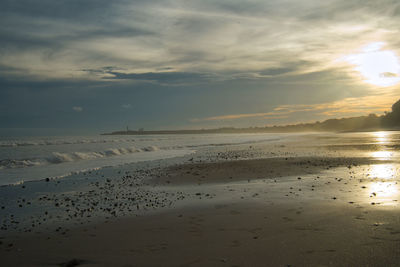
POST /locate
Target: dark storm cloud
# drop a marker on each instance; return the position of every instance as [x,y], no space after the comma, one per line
[287,68]
[60,9]
[164,77]
[304,10]
[276,71]
[16,40]
[50,24]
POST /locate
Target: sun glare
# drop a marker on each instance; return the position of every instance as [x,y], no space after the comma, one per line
[384,189]
[382,171]
[381,137]
[382,155]
[378,67]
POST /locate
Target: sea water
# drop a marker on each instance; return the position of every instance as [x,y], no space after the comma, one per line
[25,159]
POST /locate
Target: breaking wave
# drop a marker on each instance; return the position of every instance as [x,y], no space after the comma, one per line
[58,157]
[60,142]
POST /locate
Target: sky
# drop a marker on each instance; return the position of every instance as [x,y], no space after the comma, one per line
[87,65]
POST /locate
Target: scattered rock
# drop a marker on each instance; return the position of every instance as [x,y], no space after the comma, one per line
[72,263]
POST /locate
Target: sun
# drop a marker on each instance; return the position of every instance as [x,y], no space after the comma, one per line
[378,67]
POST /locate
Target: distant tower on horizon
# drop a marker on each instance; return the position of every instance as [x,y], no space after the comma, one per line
[127,128]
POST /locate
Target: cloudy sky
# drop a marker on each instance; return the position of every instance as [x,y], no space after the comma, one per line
[101,65]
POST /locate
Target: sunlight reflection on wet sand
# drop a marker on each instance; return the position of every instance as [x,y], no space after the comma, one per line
[383,189]
[382,171]
[382,155]
[383,186]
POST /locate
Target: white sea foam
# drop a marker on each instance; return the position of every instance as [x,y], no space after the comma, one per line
[14,143]
[15,163]
[58,157]
[35,158]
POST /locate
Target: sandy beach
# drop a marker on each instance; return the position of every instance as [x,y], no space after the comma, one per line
[297,234]
[280,211]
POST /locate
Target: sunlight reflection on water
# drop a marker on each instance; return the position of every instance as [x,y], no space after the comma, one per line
[381,137]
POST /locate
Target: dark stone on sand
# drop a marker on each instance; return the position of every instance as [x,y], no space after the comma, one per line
[72,263]
[47,179]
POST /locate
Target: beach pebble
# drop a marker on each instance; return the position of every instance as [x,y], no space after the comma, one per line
[72,263]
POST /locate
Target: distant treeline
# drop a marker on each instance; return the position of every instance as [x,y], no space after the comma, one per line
[372,122]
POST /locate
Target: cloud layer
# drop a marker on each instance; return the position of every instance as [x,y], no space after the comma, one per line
[188,63]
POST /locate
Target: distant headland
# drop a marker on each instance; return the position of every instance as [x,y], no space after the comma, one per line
[371,122]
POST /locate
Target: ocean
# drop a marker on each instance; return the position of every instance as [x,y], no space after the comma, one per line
[26,159]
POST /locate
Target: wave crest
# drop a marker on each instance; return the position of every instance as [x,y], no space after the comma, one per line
[60,142]
[58,157]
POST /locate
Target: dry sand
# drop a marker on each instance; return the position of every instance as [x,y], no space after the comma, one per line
[270,230]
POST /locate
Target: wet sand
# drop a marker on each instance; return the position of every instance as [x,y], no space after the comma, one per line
[242,170]
[264,212]
[297,234]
